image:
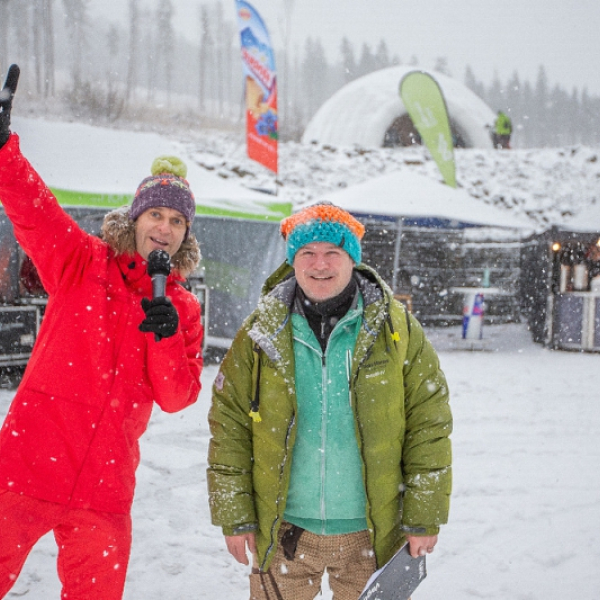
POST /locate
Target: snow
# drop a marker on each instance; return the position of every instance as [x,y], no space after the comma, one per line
[544,186]
[524,520]
[408,194]
[586,221]
[541,186]
[85,158]
[362,111]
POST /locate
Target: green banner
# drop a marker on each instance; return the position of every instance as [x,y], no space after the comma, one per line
[258,211]
[424,101]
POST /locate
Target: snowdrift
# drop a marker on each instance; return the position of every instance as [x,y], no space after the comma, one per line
[408,194]
[93,166]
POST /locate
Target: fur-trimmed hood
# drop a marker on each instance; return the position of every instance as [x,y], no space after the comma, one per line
[118,231]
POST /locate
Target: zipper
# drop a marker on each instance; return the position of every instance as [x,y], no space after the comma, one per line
[349,374]
[324,408]
[278,501]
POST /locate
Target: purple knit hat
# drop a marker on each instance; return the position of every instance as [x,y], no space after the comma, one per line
[167,187]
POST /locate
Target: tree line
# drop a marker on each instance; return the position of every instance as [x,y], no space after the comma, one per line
[145,69]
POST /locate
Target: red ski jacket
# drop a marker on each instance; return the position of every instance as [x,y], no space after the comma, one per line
[71,433]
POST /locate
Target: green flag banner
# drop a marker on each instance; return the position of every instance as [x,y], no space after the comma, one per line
[424,101]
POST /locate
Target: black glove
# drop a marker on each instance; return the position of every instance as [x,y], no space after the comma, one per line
[161,318]
[6,96]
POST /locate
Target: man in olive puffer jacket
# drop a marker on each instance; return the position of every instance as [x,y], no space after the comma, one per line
[330,422]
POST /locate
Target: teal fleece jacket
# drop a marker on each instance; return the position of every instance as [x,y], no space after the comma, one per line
[326,493]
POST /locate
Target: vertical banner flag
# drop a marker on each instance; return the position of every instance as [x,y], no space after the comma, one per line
[426,107]
[260,81]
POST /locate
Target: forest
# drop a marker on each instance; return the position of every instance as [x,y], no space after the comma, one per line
[146,71]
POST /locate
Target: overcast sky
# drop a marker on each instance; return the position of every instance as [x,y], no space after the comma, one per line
[489,35]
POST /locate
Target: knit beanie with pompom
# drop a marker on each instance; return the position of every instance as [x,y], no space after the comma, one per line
[323,222]
[167,187]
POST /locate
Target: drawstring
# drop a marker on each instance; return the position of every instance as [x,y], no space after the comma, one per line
[395,334]
[275,588]
[254,405]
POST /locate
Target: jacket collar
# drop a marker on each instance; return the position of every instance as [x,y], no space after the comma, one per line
[275,307]
[134,271]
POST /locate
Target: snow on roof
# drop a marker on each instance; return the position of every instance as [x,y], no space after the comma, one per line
[93,160]
[587,221]
[362,111]
[407,194]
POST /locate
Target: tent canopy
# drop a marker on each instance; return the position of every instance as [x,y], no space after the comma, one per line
[587,221]
[412,196]
[94,166]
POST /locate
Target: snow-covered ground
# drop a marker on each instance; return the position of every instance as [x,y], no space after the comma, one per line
[525,518]
[546,186]
[541,186]
[525,514]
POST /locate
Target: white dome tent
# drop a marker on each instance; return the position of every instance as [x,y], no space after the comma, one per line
[366,110]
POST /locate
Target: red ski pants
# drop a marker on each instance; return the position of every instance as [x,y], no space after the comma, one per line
[93,547]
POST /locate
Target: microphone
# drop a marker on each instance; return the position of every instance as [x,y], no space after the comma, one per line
[159,267]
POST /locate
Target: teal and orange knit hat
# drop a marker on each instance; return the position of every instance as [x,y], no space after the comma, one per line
[322,222]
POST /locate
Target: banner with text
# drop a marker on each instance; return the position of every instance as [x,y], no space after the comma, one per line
[424,101]
[260,84]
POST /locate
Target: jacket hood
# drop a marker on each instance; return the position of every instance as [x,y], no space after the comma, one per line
[118,231]
[275,305]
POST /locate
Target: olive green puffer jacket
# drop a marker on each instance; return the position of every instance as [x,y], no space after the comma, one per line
[402,417]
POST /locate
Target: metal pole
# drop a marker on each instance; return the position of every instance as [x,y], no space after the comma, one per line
[397,243]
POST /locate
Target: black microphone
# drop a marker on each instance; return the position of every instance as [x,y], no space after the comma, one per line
[159,267]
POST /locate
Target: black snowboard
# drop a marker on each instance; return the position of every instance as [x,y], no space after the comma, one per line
[397,579]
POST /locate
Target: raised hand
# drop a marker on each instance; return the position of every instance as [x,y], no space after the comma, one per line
[6,96]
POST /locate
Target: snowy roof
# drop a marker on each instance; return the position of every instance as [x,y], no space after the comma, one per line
[407,194]
[587,221]
[91,165]
[362,111]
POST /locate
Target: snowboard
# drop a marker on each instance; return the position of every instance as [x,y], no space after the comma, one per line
[397,579]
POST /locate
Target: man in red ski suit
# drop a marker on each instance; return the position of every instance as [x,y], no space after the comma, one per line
[105,353]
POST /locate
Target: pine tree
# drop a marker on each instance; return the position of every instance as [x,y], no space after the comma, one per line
[132,56]
[473,83]
[349,67]
[367,62]
[382,58]
[441,66]
[165,37]
[540,116]
[314,76]
[512,94]
[76,20]
[4,20]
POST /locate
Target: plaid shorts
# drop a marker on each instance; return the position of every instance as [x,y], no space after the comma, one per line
[348,559]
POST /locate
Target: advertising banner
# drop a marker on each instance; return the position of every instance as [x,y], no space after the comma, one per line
[260,84]
[424,101]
